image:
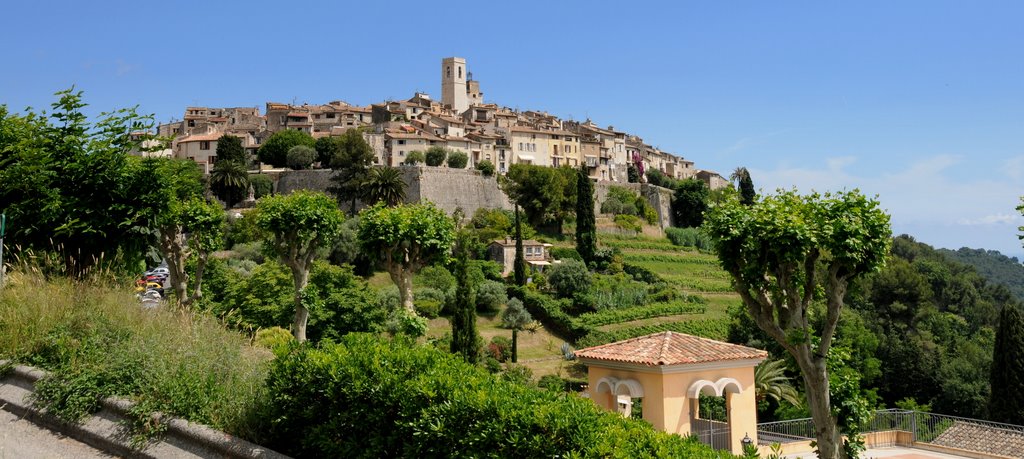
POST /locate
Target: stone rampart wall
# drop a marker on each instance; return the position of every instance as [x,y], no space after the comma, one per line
[467,189]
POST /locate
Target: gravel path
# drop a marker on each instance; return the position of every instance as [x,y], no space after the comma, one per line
[22,439]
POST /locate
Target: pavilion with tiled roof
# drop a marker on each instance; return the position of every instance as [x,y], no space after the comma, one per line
[670,371]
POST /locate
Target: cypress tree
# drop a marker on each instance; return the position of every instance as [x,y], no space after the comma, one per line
[464,337]
[520,262]
[747,193]
[586,224]
[1007,377]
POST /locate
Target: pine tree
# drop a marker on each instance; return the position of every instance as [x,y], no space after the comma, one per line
[586,224]
[520,262]
[464,337]
[1007,377]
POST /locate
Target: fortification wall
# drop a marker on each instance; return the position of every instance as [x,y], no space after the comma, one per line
[467,189]
[450,189]
[659,198]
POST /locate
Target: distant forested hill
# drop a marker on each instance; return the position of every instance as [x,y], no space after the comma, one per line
[994,266]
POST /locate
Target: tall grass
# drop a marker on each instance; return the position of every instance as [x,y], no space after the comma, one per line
[97,341]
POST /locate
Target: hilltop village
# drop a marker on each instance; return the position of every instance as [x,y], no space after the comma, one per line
[461,121]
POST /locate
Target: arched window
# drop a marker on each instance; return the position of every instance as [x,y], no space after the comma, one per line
[460,72]
[448,72]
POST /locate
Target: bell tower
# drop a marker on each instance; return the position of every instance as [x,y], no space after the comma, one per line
[453,84]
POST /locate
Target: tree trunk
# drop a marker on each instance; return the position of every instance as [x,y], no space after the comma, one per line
[301,278]
[515,345]
[830,442]
[403,279]
[172,245]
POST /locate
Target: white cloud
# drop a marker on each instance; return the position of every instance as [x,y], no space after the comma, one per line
[928,198]
[1014,167]
[997,219]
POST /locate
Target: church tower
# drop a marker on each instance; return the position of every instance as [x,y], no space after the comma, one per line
[453,84]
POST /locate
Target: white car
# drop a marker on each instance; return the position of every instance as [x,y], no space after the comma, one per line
[159,271]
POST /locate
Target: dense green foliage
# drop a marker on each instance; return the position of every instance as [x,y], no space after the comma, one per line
[569,278]
[352,163]
[261,185]
[993,266]
[301,157]
[464,336]
[586,223]
[274,150]
[414,157]
[457,160]
[367,397]
[1007,381]
[547,195]
[516,318]
[229,181]
[784,252]
[934,321]
[623,201]
[70,186]
[688,237]
[435,156]
[689,203]
[485,167]
[519,265]
[745,185]
[405,238]
[299,224]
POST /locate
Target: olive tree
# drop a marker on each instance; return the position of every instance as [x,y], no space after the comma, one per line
[786,251]
[300,224]
[406,238]
[186,225]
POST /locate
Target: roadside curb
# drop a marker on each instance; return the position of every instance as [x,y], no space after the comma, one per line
[106,430]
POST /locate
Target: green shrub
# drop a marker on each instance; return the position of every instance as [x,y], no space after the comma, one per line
[688,237]
[500,348]
[276,339]
[429,293]
[486,167]
[249,251]
[301,157]
[490,296]
[518,374]
[629,223]
[436,277]
[369,397]
[262,185]
[242,229]
[435,156]
[569,277]
[552,383]
[429,309]
[565,253]
[457,160]
[414,157]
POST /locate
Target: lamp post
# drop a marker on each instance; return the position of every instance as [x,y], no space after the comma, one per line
[748,444]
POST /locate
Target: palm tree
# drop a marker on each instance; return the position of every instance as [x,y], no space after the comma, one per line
[770,381]
[384,184]
[229,180]
[516,317]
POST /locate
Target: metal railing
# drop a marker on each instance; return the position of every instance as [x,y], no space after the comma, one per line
[938,429]
[712,433]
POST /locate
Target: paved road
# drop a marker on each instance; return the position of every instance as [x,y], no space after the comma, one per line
[21,439]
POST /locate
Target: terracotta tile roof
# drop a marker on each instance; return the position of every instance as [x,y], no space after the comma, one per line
[201,137]
[670,348]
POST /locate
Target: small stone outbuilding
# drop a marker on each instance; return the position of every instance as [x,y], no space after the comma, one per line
[668,371]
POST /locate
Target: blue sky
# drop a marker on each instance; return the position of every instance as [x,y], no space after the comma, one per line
[920,102]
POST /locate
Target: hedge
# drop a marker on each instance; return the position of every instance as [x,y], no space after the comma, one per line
[372,397]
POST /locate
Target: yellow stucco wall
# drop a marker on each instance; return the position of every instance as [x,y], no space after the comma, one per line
[667,405]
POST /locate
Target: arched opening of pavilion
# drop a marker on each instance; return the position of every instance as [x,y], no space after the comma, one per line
[669,371]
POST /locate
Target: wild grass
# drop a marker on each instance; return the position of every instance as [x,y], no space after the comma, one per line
[96,341]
